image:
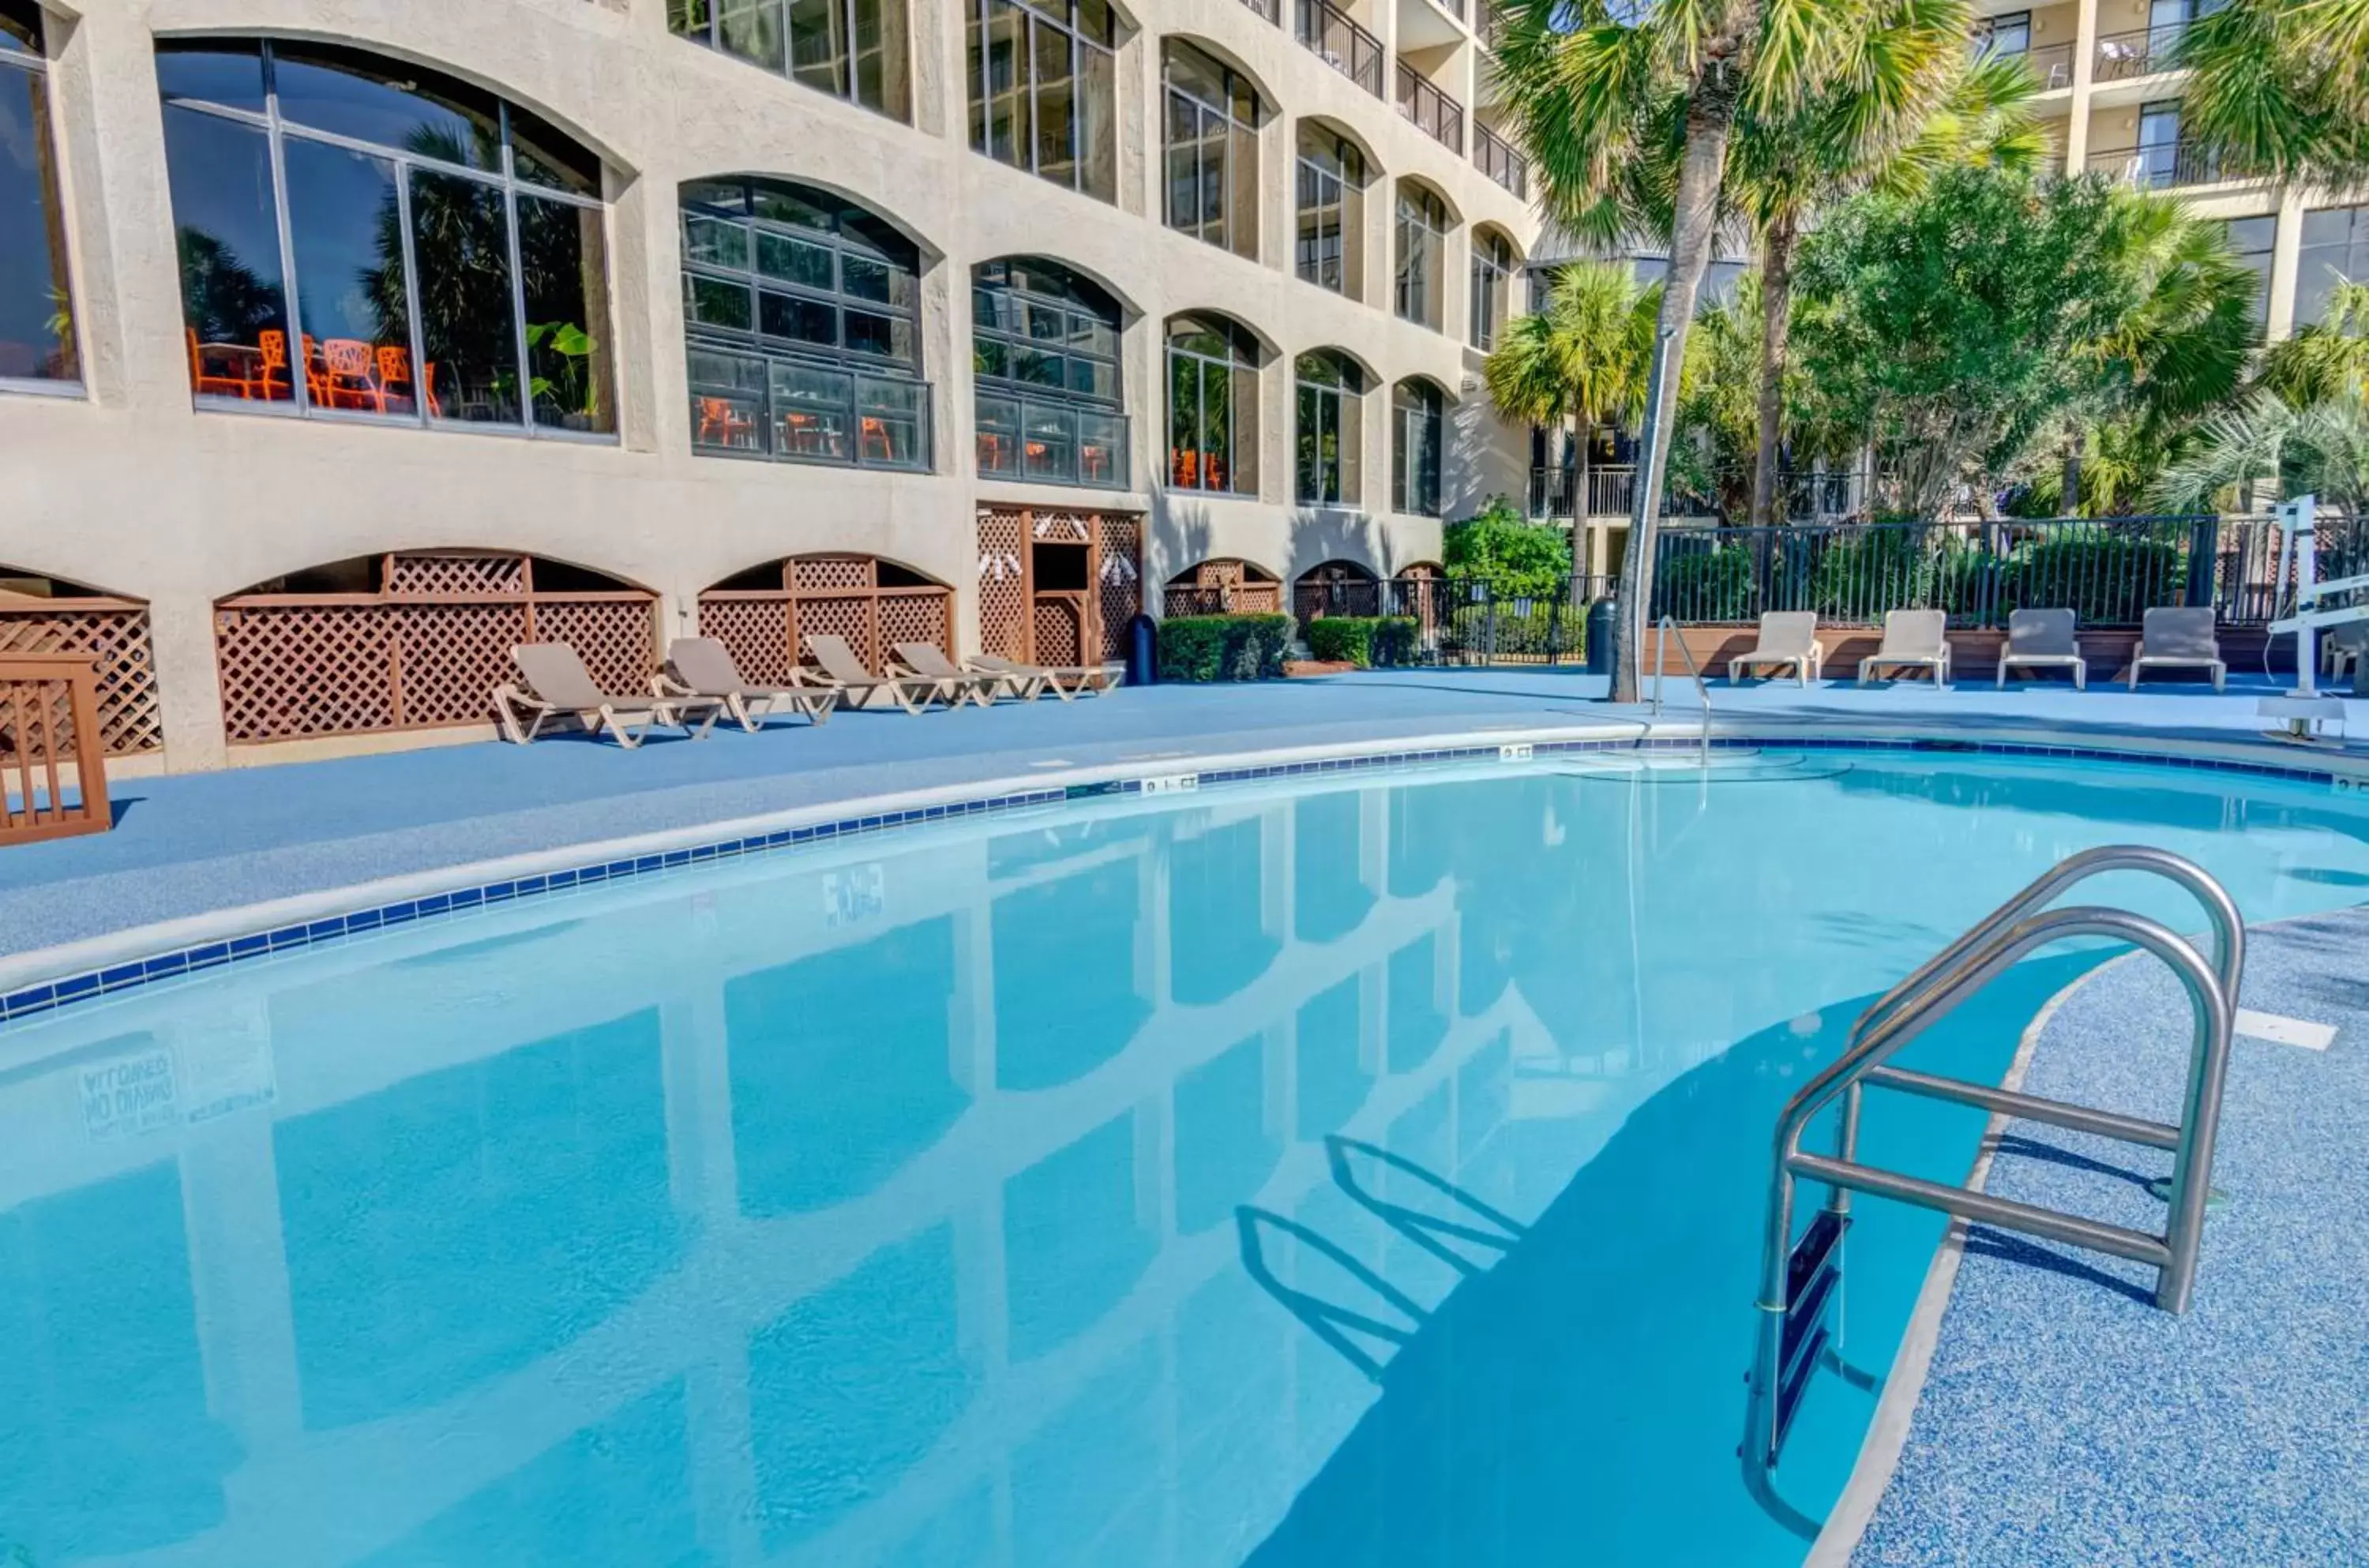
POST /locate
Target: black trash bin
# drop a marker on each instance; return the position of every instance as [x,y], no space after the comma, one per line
[1600,616]
[1142,651]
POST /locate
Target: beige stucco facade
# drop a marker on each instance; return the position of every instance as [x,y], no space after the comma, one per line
[129,489]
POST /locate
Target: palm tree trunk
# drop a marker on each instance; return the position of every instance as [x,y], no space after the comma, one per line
[1710,115]
[1582,507]
[1775,326]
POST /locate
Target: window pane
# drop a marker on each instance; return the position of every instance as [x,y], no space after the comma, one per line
[819,45]
[1307,481]
[548,156]
[1245,430]
[1183,421]
[889,336]
[37,339]
[882,70]
[21,27]
[716,301]
[989,356]
[226,74]
[350,280]
[811,409]
[997,421]
[780,205]
[354,95]
[1350,440]
[564,253]
[716,242]
[467,302]
[794,260]
[867,278]
[227,232]
[1035,367]
[1097,123]
[1243,180]
[1056,106]
[798,319]
[1010,136]
[1184,164]
[1095,378]
[752,29]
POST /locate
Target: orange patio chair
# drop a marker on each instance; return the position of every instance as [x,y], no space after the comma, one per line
[349,370]
[271,382]
[871,432]
[393,371]
[721,423]
[215,385]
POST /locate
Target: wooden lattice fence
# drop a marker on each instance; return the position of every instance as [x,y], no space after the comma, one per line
[1222,586]
[1122,580]
[840,594]
[114,633]
[425,651]
[1021,616]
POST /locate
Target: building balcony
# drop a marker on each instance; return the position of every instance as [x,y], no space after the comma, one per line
[1328,31]
[2161,165]
[1435,114]
[1496,158]
[2124,57]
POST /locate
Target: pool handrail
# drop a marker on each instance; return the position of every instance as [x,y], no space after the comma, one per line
[1661,631]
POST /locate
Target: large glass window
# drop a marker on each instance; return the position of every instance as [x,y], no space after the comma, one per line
[1329,250]
[1044,89]
[37,331]
[801,318]
[2335,250]
[1044,355]
[1213,424]
[1330,431]
[1213,181]
[2252,241]
[856,50]
[364,240]
[1422,255]
[2009,33]
[1493,279]
[1415,448]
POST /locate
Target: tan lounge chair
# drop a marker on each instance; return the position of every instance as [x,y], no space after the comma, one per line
[930,661]
[558,685]
[2178,639]
[2042,639]
[702,667]
[843,674]
[1913,639]
[1067,682]
[1788,639]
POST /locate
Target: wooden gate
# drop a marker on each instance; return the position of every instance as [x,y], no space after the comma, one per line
[1019,618]
[841,594]
[113,632]
[49,742]
[1223,586]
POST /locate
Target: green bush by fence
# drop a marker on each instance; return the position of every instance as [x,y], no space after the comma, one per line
[1362,640]
[1224,648]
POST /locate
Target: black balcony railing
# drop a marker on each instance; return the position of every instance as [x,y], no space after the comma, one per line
[1271,9]
[1435,114]
[1497,159]
[2050,64]
[1049,442]
[1341,43]
[2123,56]
[752,404]
[2160,165]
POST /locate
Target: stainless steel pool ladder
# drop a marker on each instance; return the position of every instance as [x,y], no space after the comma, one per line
[1661,631]
[1799,1282]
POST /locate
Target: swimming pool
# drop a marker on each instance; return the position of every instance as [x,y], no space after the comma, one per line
[1357,1173]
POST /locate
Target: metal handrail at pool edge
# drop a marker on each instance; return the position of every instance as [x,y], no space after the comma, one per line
[1661,631]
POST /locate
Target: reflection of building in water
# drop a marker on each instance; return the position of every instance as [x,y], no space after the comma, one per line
[779,1220]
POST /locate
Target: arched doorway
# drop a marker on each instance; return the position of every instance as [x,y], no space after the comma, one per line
[1335,587]
[1223,586]
[1058,587]
[765,614]
[41,615]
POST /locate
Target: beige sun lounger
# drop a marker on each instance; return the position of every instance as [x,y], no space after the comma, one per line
[1913,639]
[1788,639]
[558,685]
[2042,639]
[930,661]
[2178,639]
[702,667]
[1067,682]
[2344,647]
[843,674]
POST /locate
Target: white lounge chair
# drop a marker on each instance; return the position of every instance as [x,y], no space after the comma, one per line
[1788,639]
[1067,682]
[2344,649]
[2044,639]
[2178,639]
[558,686]
[702,667]
[1913,639]
[930,661]
[843,674]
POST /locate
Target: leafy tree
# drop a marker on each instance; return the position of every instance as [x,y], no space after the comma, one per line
[2321,448]
[2281,88]
[2323,357]
[1516,558]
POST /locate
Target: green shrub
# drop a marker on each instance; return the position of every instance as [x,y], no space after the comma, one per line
[1511,555]
[1362,640]
[1395,639]
[1224,648]
[1713,584]
[2110,581]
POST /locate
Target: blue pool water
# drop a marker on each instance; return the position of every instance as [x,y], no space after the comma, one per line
[1364,1174]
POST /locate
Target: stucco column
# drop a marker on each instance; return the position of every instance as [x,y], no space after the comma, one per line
[181,638]
[2084,58]
[2286,265]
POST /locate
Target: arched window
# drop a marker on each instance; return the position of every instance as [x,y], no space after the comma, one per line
[1213,183]
[37,335]
[1422,255]
[1330,431]
[800,321]
[1044,89]
[1493,276]
[1045,354]
[1415,448]
[1329,247]
[855,50]
[438,252]
[1213,423]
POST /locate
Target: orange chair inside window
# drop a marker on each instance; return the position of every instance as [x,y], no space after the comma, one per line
[349,373]
[394,377]
[272,379]
[872,438]
[722,423]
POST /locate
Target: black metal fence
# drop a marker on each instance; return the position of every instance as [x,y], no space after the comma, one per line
[2109,571]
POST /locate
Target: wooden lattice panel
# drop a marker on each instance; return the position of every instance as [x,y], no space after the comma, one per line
[297,670]
[450,658]
[851,616]
[923,617]
[823,573]
[1122,585]
[617,638]
[116,635]
[756,632]
[1003,584]
[455,576]
[1057,632]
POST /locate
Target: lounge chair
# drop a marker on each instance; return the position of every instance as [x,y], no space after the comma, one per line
[558,685]
[2178,639]
[1788,638]
[2044,639]
[843,674]
[930,661]
[702,667]
[1913,639]
[1067,682]
[2343,649]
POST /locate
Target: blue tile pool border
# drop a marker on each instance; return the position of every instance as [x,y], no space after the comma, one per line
[115,978]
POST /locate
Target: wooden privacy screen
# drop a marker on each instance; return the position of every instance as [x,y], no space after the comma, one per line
[824,594]
[1022,618]
[113,632]
[425,651]
[1223,587]
[50,745]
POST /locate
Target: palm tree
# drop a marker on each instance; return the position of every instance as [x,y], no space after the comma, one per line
[2319,448]
[2327,355]
[1582,359]
[2281,88]
[1606,93]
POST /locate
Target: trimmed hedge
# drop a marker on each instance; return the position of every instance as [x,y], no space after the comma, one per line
[1362,640]
[1224,647]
